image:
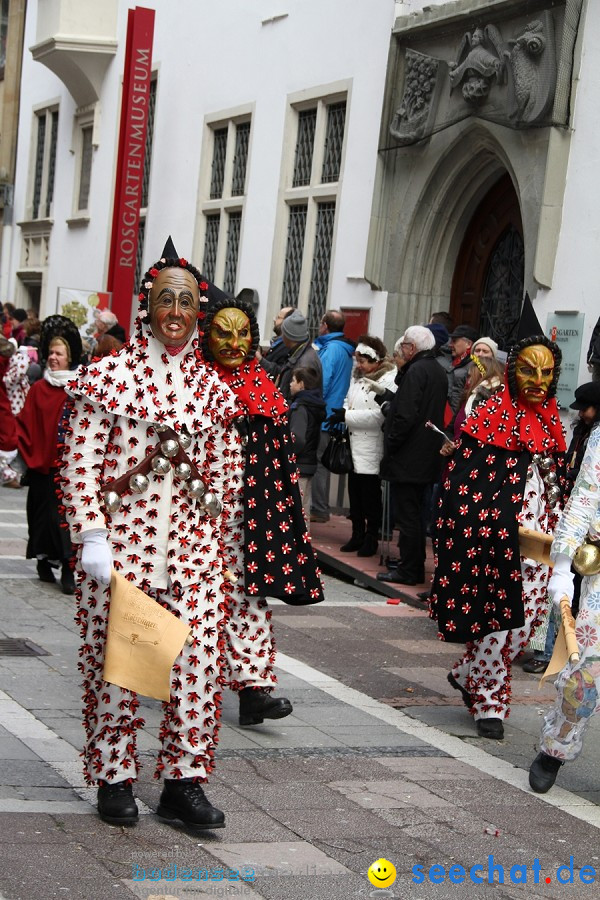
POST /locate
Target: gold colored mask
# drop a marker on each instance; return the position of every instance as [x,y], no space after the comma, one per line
[230,338]
[534,372]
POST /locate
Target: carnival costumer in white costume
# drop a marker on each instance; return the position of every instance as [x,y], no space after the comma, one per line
[578,684]
[167,539]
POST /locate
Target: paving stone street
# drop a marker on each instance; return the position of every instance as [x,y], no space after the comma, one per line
[379,759]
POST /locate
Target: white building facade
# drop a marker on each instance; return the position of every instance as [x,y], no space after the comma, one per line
[261,154]
[289,152]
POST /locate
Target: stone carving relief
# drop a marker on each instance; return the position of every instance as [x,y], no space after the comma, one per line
[418,101]
[507,79]
[481,62]
[529,65]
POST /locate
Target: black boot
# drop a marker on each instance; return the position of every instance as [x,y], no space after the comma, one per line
[116,804]
[183,800]
[369,546]
[256,705]
[355,542]
[467,699]
[492,728]
[543,772]
[67,579]
[45,573]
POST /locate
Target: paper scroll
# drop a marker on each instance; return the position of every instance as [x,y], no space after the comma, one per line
[143,641]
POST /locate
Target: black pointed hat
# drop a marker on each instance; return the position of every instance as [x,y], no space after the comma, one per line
[213,292]
[169,251]
[528,323]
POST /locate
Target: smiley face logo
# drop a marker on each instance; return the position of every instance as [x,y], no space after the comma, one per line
[381,873]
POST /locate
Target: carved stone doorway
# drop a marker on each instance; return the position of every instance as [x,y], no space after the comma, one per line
[487,287]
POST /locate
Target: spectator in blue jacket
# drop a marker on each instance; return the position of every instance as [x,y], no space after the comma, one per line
[335,352]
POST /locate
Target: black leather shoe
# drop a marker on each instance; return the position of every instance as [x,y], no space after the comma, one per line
[67,579]
[467,699]
[183,800]
[45,573]
[543,772]
[355,543]
[492,728]
[535,666]
[116,803]
[369,546]
[396,577]
[257,704]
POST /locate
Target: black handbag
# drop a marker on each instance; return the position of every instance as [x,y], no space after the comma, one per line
[337,456]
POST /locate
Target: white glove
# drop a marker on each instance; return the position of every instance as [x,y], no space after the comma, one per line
[561,581]
[374,386]
[96,556]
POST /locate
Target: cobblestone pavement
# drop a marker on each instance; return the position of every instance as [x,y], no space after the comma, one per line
[379,759]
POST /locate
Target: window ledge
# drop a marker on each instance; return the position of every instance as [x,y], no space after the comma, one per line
[34,226]
[78,222]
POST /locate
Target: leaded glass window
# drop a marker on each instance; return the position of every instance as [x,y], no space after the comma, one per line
[503,291]
[139,255]
[307,120]
[149,141]
[218,163]
[211,243]
[293,255]
[240,160]
[45,163]
[334,140]
[232,250]
[39,165]
[52,161]
[319,279]
[85,172]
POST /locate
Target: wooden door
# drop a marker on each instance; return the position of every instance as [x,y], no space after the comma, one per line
[487,288]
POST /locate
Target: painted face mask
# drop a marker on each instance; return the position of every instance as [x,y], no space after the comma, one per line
[534,372]
[229,338]
[173,306]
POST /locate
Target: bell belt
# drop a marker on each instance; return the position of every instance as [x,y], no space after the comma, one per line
[120,485]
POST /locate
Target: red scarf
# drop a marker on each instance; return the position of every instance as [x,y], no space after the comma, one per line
[507,423]
[256,393]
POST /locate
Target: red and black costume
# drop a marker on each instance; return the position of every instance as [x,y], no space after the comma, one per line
[506,472]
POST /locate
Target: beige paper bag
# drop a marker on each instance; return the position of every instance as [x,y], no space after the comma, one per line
[143,641]
[565,646]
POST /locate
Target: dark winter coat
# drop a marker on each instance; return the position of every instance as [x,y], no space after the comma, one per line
[457,376]
[304,355]
[307,413]
[277,352]
[412,451]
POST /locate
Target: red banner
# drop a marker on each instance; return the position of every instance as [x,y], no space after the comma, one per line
[130,161]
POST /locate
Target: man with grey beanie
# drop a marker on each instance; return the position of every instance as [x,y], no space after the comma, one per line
[294,332]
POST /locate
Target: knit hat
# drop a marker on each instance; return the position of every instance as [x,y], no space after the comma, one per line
[489,342]
[294,328]
[440,333]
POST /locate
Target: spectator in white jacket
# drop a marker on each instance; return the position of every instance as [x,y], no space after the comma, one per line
[364,420]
